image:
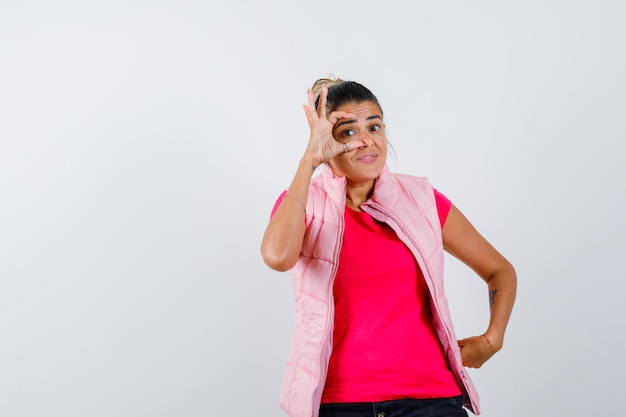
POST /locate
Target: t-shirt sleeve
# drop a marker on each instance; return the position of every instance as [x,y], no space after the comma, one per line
[277,203]
[443,206]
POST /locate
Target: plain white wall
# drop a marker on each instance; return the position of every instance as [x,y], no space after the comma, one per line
[142,145]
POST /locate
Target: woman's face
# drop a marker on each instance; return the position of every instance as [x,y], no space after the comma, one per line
[365,163]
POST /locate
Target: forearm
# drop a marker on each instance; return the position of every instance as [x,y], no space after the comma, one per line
[502,287]
[283,236]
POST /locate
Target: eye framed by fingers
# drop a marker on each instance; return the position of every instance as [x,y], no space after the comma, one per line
[347,133]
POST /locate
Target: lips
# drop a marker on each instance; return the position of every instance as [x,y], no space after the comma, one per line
[367,157]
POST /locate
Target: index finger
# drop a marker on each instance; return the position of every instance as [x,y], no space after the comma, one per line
[334,117]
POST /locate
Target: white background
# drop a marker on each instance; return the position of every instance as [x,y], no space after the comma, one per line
[143,143]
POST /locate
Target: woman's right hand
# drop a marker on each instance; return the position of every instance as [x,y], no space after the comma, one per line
[322,145]
[282,241]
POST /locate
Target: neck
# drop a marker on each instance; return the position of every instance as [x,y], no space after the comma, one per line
[359,193]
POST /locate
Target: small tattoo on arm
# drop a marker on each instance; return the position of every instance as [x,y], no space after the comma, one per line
[492,297]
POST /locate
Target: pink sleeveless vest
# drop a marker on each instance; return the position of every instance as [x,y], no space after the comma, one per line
[407,205]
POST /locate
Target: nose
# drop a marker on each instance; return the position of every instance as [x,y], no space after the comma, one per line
[367,141]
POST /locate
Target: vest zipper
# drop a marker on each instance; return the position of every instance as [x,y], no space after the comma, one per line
[425,266]
[328,331]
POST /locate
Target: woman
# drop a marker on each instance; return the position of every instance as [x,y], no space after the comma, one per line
[364,248]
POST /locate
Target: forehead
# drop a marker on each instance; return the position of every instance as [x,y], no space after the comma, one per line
[361,110]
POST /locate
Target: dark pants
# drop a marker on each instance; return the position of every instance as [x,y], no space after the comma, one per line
[438,407]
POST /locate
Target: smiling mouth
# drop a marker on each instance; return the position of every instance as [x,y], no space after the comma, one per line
[366,158]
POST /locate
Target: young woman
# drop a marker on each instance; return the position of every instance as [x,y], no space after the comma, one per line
[373,334]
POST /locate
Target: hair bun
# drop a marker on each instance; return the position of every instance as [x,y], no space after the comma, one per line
[328,82]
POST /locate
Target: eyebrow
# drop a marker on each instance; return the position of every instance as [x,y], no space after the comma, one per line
[343,122]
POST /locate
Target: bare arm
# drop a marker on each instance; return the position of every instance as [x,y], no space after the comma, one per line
[284,234]
[464,242]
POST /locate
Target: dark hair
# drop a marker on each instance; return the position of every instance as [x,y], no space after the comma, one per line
[342,92]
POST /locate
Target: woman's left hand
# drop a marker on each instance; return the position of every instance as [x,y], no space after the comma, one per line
[476,350]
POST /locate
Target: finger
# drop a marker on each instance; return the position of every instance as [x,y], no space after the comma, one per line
[351,146]
[336,115]
[464,359]
[322,105]
[310,115]
[311,105]
[346,147]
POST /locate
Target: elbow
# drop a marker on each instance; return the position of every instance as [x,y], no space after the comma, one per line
[505,272]
[511,273]
[277,253]
[277,262]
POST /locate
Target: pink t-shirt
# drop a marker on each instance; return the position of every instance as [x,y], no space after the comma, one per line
[384,344]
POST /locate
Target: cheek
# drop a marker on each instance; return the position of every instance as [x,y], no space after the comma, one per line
[382,144]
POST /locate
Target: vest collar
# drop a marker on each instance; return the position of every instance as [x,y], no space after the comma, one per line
[385,189]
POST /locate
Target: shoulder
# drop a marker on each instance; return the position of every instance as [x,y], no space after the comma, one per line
[317,187]
[412,183]
[408,178]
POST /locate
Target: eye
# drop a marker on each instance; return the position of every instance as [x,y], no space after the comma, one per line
[348,133]
[375,128]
